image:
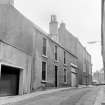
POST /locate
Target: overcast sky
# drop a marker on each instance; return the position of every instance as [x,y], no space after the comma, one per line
[82,18]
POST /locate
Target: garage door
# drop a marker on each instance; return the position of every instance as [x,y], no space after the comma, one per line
[9,83]
[73,80]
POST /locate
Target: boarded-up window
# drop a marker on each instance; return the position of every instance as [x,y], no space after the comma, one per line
[44,71]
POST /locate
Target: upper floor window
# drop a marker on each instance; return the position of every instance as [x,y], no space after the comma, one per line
[44,46]
[44,70]
[56,56]
[64,57]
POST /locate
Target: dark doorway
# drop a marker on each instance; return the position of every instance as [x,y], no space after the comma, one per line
[9,81]
[56,70]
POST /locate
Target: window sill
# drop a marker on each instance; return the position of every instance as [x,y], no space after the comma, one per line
[56,61]
[65,83]
[44,56]
[44,81]
[65,65]
[73,65]
[74,72]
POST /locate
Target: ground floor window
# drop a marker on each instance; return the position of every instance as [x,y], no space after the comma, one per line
[44,71]
[65,75]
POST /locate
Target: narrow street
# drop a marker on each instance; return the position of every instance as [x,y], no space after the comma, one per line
[80,96]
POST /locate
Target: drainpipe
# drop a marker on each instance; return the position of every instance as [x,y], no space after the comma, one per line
[0,70]
[33,60]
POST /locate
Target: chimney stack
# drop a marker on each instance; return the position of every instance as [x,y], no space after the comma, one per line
[7,2]
[53,28]
[62,25]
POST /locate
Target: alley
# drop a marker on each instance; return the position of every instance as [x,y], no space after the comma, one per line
[80,96]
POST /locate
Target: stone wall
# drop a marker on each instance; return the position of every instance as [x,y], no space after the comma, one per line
[51,62]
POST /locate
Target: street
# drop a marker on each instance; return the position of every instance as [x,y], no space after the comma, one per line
[77,96]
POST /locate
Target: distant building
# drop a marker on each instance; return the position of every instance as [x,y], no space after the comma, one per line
[70,42]
[99,76]
[31,59]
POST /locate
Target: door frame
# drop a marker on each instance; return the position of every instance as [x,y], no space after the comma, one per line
[20,91]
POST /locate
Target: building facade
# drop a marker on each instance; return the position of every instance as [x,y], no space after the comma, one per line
[98,77]
[31,59]
[73,45]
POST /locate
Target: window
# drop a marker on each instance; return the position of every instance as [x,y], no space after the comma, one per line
[65,75]
[44,46]
[43,71]
[55,52]
[64,57]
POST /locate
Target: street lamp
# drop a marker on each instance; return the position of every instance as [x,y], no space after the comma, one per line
[93,42]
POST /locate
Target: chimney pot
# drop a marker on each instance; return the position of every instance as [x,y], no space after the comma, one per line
[53,18]
[62,25]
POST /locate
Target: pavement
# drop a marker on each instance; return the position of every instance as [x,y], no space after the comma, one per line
[13,99]
[100,99]
[103,98]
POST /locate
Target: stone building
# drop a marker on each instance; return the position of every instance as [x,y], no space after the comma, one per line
[73,45]
[57,60]
[31,58]
[98,76]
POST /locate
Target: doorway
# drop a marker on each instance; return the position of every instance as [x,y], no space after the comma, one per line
[56,73]
[73,80]
[9,81]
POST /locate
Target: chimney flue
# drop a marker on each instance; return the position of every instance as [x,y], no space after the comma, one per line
[53,28]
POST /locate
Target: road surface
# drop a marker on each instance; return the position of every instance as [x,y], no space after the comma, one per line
[78,96]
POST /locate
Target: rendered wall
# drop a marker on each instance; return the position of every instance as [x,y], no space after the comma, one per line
[12,56]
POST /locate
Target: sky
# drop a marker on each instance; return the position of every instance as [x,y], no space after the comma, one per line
[82,19]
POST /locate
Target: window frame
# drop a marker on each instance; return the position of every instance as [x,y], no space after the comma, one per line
[44,47]
[65,74]
[56,52]
[45,71]
[64,57]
